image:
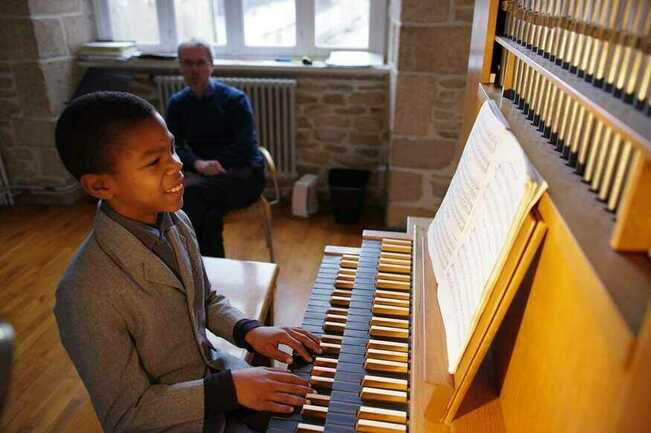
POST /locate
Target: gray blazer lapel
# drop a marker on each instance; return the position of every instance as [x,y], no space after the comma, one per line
[158,272]
[185,266]
[131,255]
[193,296]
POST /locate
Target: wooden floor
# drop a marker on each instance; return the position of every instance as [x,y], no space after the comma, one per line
[36,244]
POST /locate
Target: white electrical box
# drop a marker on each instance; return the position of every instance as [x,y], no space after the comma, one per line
[304,197]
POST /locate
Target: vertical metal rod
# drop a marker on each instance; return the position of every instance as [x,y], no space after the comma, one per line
[593,15]
[534,93]
[528,89]
[629,35]
[552,113]
[621,176]
[517,83]
[614,50]
[554,30]
[584,147]
[579,129]
[582,25]
[292,128]
[609,45]
[609,169]
[564,34]
[601,159]
[285,121]
[546,106]
[571,125]
[558,114]
[618,53]
[562,133]
[642,30]
[601,18]
[593,151]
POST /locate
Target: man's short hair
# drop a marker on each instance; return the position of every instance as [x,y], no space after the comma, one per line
[88,131]
[195,43]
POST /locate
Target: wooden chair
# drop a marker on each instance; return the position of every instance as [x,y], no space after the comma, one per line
[262,206]
[250,287]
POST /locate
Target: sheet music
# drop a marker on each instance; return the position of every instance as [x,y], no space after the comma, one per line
[491,192]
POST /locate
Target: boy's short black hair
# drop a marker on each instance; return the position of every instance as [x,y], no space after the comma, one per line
[87,131]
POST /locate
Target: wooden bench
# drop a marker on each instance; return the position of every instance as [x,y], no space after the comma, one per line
[249,286]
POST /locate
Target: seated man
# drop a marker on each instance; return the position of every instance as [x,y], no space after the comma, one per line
[215,138]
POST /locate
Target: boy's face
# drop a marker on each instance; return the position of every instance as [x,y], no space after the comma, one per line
[146,176]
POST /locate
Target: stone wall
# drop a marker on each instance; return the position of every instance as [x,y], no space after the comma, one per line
[341,122]
[38,39]
[428,54]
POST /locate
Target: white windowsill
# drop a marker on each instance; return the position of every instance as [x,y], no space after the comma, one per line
[222,65]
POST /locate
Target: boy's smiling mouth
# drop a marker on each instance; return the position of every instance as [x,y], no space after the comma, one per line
[176,188]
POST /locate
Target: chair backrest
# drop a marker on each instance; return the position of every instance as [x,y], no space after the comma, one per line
[271,168]
[7,337]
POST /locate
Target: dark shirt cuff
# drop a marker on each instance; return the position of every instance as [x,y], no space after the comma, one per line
[241,328]
[218,397]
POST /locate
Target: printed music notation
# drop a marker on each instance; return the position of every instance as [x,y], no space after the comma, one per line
[493,189]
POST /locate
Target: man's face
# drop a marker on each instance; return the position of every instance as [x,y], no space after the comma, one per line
[195,68]
[146,176]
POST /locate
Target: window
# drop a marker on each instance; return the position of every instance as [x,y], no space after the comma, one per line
[269,23]
[136,20]
[247,28]
[341,23]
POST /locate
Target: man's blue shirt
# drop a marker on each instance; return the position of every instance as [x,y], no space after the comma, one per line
[218,125]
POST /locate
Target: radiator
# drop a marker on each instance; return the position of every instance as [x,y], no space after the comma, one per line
[273,102]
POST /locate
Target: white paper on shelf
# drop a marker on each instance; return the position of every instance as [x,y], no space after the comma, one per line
[493,189]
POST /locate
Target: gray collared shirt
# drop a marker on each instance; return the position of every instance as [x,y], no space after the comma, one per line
[153,237]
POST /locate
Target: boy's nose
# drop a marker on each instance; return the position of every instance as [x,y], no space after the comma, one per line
[176,161]
[175,166]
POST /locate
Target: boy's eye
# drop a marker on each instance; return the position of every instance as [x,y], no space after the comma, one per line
[154,162]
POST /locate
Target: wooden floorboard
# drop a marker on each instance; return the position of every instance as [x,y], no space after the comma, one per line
[36,244]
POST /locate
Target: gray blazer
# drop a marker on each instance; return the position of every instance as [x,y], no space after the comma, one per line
[137,334]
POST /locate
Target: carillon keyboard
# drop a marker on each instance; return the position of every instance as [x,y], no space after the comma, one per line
[360,310]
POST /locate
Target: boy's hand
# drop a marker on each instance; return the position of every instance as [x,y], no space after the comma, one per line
[209,168]
[269,389]
[265,341]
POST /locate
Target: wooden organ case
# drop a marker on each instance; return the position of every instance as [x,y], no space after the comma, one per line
[566,347]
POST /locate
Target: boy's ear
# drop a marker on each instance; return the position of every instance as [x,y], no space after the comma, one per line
[98,185]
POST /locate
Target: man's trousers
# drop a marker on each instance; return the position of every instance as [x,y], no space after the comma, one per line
[207,199]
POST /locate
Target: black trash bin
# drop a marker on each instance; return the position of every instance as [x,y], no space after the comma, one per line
[347,193]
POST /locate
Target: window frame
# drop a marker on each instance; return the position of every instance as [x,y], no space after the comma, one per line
[235,48]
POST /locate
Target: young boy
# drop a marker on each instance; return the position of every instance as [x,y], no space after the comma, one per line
[134,304]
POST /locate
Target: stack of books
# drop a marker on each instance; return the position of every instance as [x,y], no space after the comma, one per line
[108,50]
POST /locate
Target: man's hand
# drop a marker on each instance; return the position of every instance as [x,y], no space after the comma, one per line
[265,341]
[209,167]
[269,389]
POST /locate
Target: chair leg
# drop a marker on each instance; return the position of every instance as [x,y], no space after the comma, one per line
[266,209]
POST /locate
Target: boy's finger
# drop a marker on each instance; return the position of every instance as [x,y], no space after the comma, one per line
[297,345]
[313,345]
[275,369]
[290,399]
[291,388]
[278,408]
[287,377]
[307,334]
[279,355]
